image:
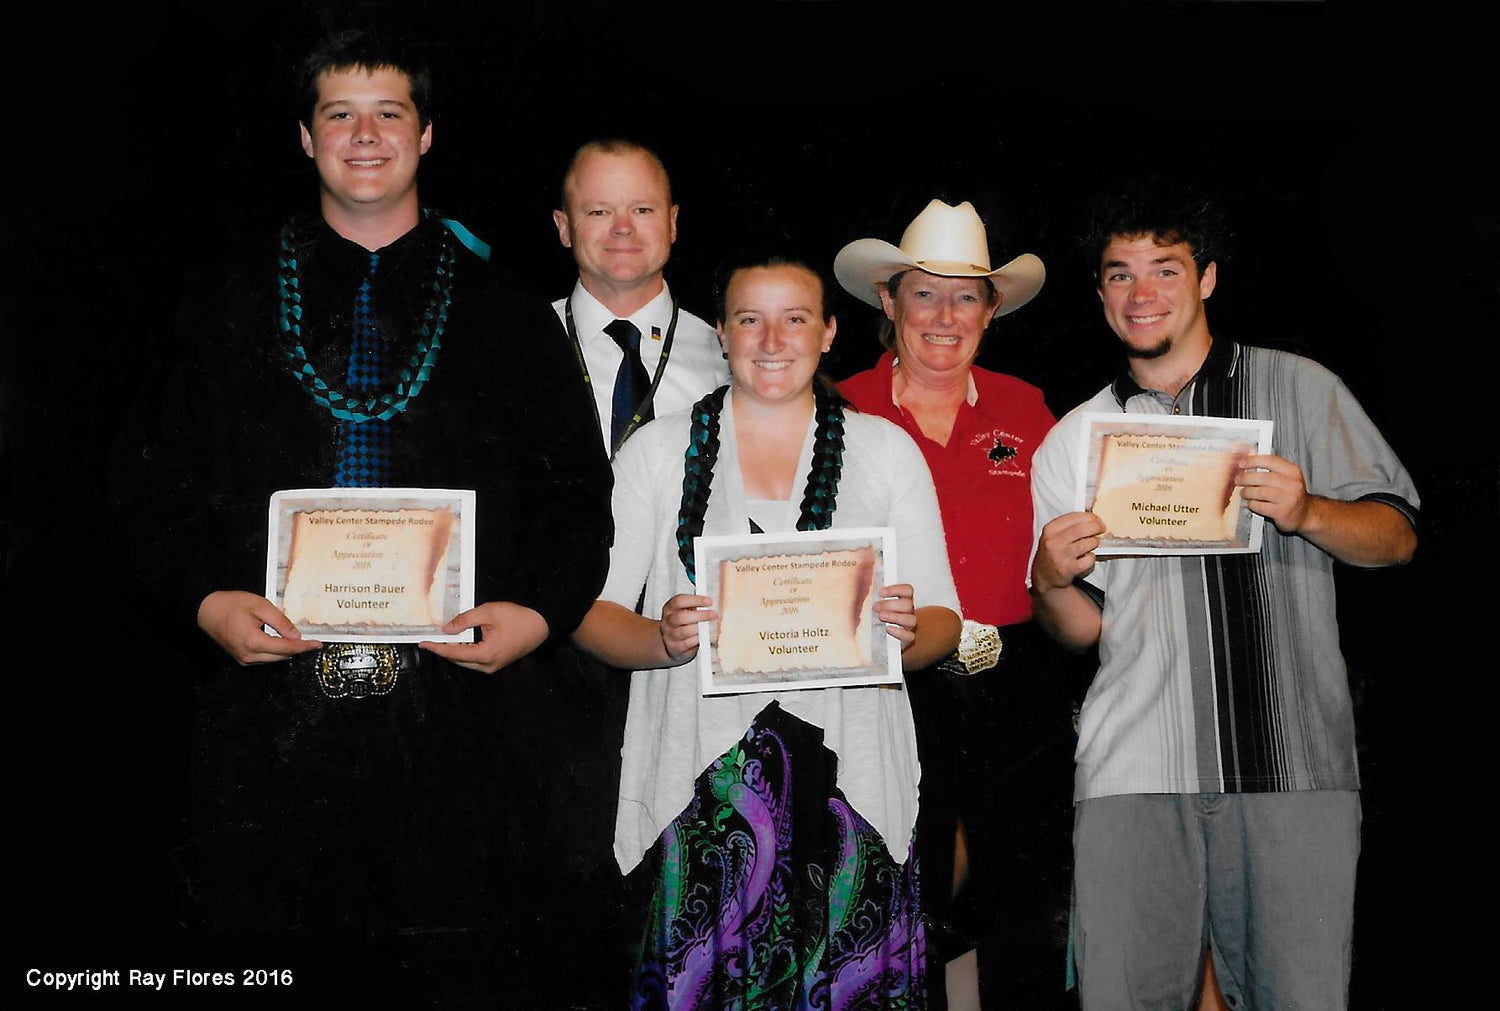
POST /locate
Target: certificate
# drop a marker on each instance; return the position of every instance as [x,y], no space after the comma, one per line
[796,610]
[372,564]
[1164,484]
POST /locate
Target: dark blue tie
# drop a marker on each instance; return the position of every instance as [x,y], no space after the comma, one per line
[364,447]
[631,382]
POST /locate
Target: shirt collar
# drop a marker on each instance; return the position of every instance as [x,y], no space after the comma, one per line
[320,230]
[591,317]
[325,256]
[972,397]
[1219,363]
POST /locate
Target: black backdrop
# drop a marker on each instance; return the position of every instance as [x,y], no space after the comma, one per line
[143,140]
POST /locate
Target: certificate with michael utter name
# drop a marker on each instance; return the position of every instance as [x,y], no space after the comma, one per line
[372,564]
[796,610]
[1164,484]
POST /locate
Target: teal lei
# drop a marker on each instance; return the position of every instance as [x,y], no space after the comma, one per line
[819,498]
[418,366]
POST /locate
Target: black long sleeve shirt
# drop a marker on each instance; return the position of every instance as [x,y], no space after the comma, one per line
[226,423]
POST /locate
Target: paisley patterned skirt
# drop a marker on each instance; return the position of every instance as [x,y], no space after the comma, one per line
[772,892]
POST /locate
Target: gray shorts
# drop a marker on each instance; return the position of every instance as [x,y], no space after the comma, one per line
[1266,878]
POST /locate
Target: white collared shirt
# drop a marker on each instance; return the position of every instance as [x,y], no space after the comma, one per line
[696,366]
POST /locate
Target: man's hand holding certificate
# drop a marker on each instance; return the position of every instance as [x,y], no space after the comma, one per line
[1169,485]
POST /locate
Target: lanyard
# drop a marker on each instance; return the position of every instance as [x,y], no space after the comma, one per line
[583,366]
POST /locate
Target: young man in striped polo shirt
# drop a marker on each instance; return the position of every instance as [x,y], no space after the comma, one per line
[1216,783]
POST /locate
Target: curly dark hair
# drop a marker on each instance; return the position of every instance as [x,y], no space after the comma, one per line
[1168,210]
[363,49]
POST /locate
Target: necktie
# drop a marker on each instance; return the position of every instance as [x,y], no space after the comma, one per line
[631,382]
[364,450]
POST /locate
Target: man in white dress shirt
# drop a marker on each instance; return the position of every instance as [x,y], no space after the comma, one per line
[618,218]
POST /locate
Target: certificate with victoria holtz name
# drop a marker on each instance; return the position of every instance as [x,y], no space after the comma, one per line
[372,564]
[796,610]
[1164,484]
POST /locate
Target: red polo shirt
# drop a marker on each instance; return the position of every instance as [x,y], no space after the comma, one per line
[983,479]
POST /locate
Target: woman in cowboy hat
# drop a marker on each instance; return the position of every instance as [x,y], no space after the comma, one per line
[778,824]
[978,718]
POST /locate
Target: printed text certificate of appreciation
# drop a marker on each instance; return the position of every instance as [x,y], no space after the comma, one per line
[796,610]
[372,564]
[1164,484]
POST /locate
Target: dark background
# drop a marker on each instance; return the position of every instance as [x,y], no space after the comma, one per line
[144,140]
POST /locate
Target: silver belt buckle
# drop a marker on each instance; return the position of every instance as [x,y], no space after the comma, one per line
[979,649]
[357,669]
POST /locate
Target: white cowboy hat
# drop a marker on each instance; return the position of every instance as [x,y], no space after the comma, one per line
[942,240]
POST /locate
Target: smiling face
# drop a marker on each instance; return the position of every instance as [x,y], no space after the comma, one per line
[366,139]
[774,332]
[620,223]
[1153,297]
[939,322]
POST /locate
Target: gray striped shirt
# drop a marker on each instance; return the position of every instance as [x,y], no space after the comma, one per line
[1223,673]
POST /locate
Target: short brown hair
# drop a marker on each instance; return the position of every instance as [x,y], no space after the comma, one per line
[615,146]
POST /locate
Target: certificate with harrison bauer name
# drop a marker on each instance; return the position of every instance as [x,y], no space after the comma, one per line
[1164,484]
[372,564]
[796,610]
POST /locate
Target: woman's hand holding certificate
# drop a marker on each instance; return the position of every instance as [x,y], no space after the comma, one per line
[898,610]
[679,625]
